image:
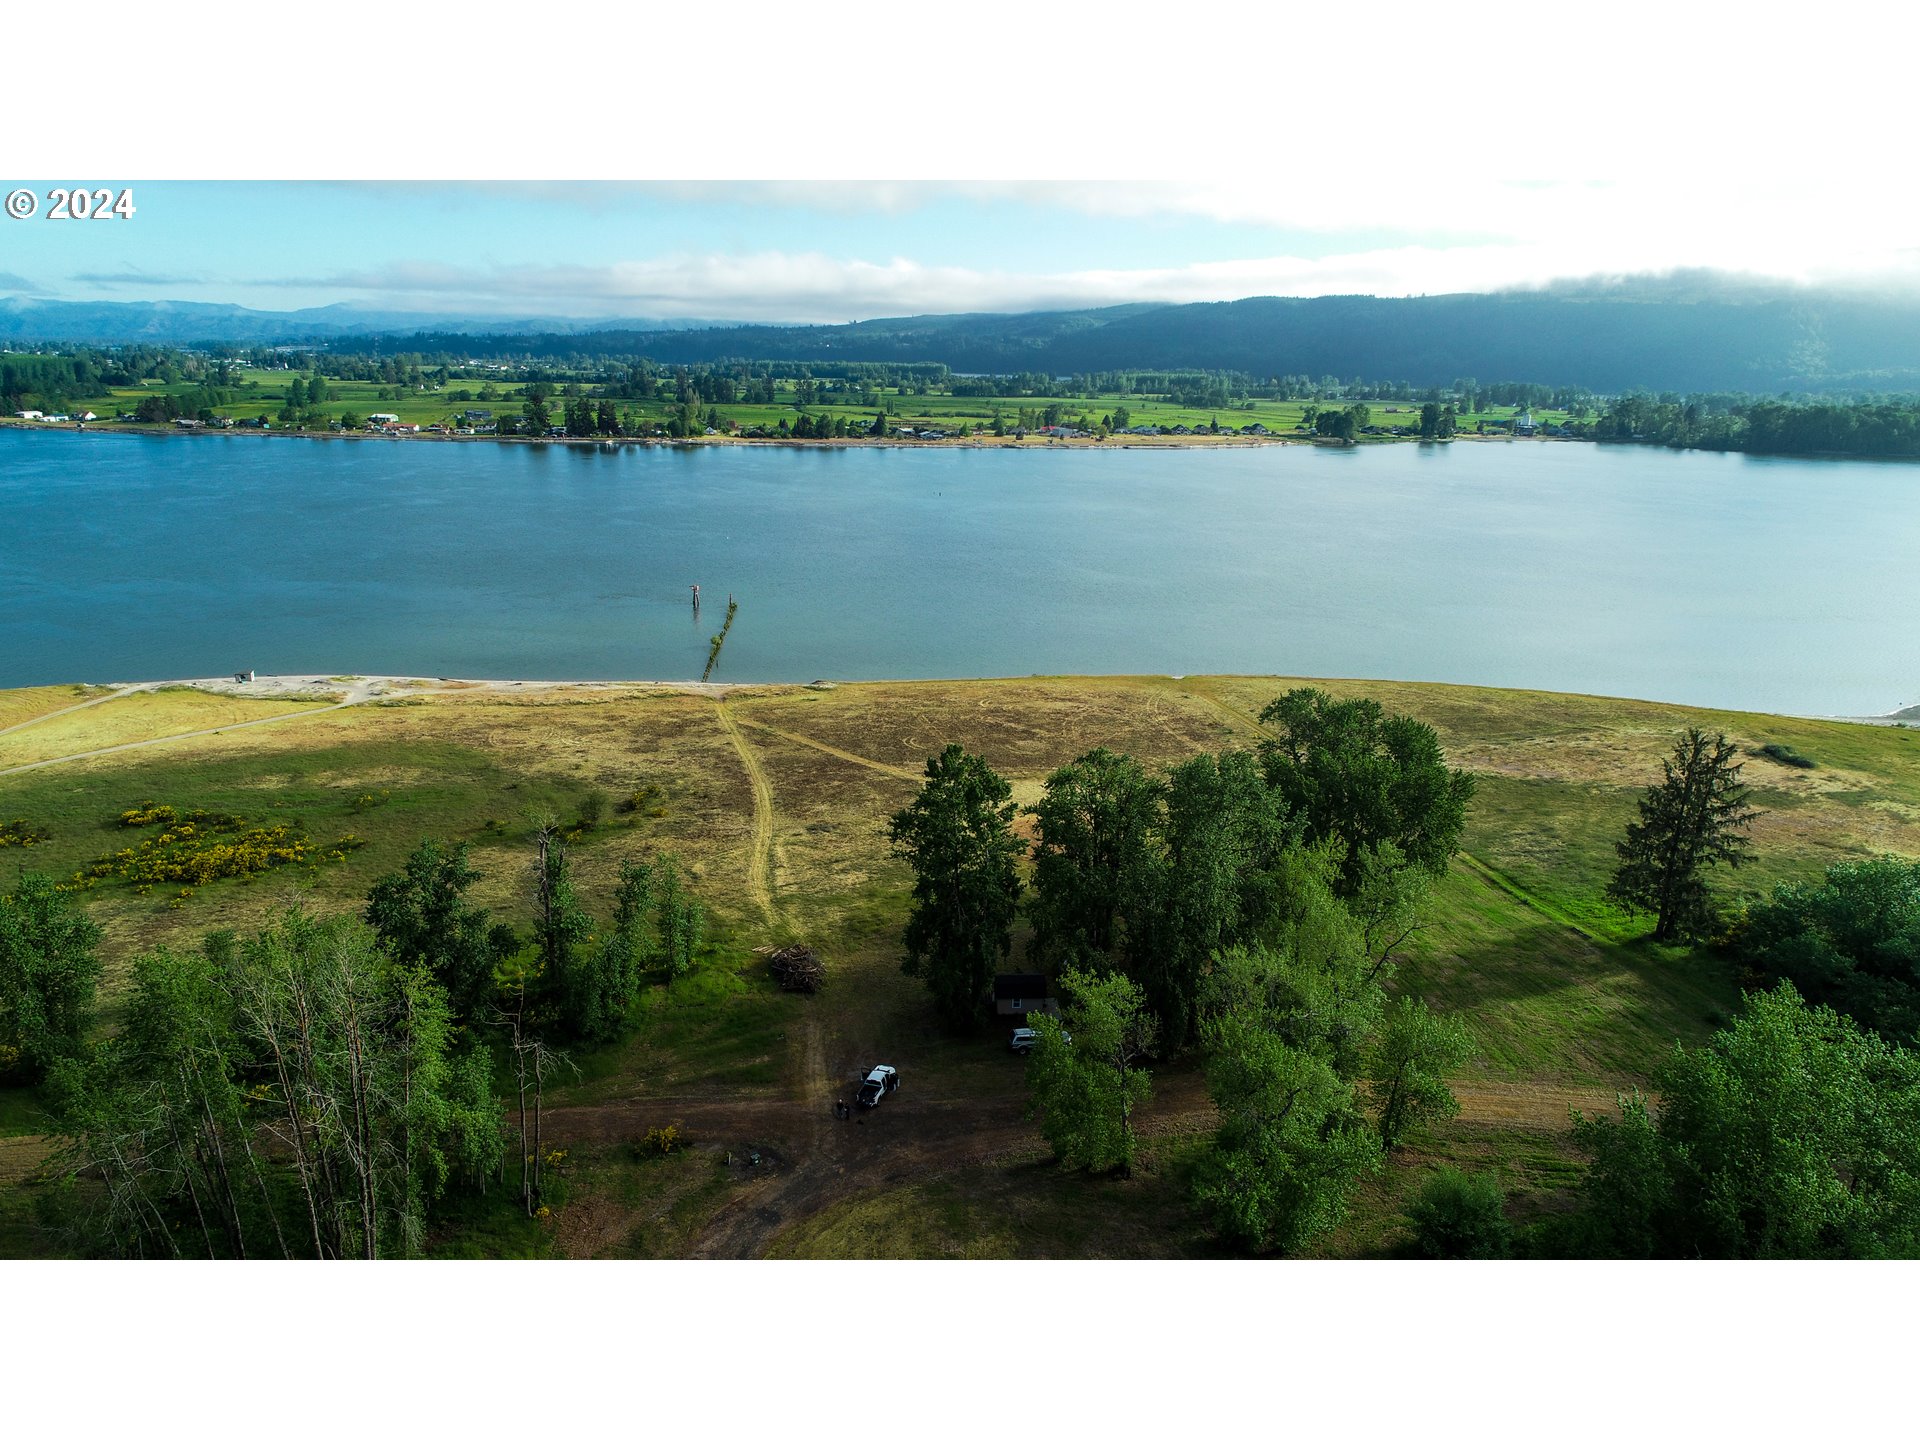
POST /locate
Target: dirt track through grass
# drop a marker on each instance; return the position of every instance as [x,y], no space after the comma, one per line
[760,879]
[825,749]
[163,739]
[56,714]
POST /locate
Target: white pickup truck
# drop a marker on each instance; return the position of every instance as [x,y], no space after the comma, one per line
[881,1080]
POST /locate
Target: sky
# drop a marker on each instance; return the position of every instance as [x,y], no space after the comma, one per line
[843,249]
[1071,153]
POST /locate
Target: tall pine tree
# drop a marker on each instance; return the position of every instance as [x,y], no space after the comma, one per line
[1693,820]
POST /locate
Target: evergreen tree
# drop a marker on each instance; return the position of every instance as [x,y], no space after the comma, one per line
[1690,822]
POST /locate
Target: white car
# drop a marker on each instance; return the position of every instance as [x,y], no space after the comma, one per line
[881,1080]
[1025,1038]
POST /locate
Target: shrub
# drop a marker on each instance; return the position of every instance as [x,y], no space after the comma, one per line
[204,845]
[19,832]
[1786,755]
[663,1141]
[648,800]
[1460,1217]
[593,809]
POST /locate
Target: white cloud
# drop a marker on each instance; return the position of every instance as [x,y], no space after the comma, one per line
[775,285]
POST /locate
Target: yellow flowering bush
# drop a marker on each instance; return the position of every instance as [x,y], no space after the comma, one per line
[19,832]
[666,1141]
[200,846]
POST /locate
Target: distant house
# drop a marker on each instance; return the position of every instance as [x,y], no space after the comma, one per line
[56,419]
[1523,423]
[474,417]
[1022,995]
[28,415]
[86,415]
[382,418]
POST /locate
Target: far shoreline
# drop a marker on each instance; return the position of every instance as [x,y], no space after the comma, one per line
[1031,444]
[850,442]
[336,691]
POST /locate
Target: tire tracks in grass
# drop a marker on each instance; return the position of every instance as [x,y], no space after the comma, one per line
[169,739]
[847,755]
[760,883]
[1497,879]
[63,710]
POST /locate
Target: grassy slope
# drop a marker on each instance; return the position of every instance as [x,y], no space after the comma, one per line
[1564,1001]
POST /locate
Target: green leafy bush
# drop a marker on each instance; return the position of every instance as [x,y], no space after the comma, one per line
[1458,1216]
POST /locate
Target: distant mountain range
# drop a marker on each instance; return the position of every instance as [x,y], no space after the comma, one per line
[1687,333]
[187,322]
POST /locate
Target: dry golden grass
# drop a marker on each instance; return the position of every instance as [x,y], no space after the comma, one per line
[143,715]
[19,706]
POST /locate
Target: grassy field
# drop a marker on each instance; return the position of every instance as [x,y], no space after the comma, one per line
[775,799]
[263,393]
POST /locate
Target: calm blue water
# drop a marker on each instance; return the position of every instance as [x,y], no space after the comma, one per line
[1766,584]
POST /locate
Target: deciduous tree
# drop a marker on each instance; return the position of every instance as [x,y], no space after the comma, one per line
[47,976]
[1791,1133]
[1083,1075]
[1095,858]
[1407,1069]
[1365,779]
[958,837]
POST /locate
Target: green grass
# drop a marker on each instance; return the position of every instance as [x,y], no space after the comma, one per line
[1565,998]
[1024,1209]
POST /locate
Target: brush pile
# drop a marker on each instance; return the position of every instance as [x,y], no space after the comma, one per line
[796,967]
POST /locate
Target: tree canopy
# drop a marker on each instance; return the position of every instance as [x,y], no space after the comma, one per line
[1851,941]
[1791,1133]
[47,976]
[1083,1074]
[957,834]
[1693,820]
[1371,782]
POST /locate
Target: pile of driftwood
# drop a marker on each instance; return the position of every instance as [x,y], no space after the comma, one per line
[796,967]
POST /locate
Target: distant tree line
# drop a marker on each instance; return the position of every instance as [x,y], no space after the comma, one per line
[1883,428]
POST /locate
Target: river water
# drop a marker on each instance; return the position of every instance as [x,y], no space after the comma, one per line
[1789,585]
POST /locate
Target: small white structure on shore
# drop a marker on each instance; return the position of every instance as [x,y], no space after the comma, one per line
[28,415]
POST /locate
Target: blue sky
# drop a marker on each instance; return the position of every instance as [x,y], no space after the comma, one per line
[842,250]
